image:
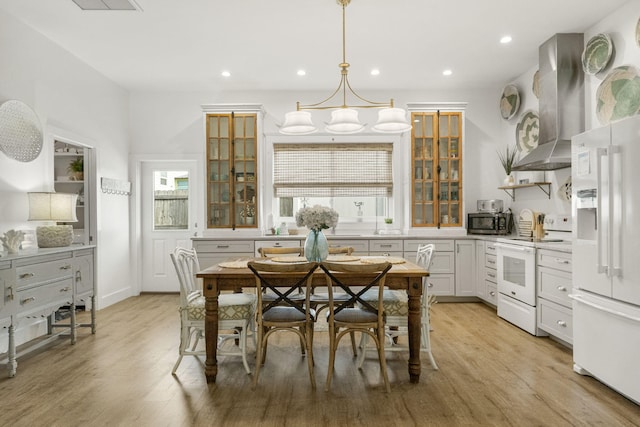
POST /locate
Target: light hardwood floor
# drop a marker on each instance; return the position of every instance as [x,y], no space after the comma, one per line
[491,373]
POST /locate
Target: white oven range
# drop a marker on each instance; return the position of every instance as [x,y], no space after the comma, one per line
[516,270]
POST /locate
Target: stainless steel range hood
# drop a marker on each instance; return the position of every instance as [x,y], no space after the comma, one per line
[561,109]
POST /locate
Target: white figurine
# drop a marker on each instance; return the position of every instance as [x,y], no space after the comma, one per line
[12,240]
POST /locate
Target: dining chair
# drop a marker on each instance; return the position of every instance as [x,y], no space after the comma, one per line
[284,313]
[320,298]
[396,307]
[356,314]
[266,252]
[235,312]
[340,250]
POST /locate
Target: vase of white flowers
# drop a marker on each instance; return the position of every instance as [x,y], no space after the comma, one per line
[316,219]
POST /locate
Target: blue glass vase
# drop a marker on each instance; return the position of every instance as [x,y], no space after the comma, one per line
[316,247]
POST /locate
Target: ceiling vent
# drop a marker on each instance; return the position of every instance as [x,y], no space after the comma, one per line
[107,5]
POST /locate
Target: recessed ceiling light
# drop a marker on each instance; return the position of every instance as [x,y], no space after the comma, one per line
[505,39]
[226,74]
[447,72]
[302,73]
[375,72]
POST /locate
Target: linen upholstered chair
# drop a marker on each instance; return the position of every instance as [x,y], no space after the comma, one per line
[396,307]
[235,312]
[283,313]
[356,314]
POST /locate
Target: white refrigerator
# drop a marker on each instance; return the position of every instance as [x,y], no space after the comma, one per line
[605,173]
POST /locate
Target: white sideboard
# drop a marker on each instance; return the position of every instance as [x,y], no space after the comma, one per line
[36,284]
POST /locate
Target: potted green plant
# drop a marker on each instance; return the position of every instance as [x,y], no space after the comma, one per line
[507,159]
[76,169]
[388,223]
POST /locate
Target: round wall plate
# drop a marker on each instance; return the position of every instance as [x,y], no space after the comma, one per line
[509,102]
[618,96]
[20,131]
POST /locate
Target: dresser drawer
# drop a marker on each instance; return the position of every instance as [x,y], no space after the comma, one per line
[554,285]
[554,259]
[233,246]
[439,245]
[556,320]
[40,301]
[30,275]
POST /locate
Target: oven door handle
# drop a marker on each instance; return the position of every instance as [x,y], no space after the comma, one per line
[514,247]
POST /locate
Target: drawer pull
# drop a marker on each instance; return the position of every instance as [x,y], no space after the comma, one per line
[429,285]
[561,288]
[10,296]
[222,246]
[492,275]
[66,267]
[562,261]
[386,246]
[26,275]
[491,261]
[65,289]
[27,300]
[562,323]
[492,293]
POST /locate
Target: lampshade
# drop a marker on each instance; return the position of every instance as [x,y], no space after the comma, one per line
[59,207]
[53,207]
[392,120]
[298,123]
[344,121]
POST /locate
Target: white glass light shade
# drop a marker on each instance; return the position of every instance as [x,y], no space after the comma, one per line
[344,121]
[392,120]
[297,123]
[52,207]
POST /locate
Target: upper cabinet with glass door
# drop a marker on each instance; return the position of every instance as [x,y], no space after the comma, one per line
[436,142]
[232,170]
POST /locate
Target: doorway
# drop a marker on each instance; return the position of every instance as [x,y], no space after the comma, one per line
[168,219]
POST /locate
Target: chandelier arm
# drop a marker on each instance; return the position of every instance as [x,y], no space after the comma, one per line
[317,104]
[375,104]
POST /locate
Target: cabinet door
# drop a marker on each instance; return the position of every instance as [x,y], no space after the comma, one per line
[232,170]
[83,270]
[437,169]
[465,268]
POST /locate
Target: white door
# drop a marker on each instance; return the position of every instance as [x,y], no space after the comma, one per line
[168,220]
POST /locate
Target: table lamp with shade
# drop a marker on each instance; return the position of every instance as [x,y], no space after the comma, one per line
[58,207]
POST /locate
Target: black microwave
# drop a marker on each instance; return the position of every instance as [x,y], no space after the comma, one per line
[499,223]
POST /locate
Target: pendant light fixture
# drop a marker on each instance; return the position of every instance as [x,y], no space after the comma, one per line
[344,118]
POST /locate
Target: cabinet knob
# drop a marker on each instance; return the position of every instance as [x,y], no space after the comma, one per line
[492,293]
[561,288]
[562,323]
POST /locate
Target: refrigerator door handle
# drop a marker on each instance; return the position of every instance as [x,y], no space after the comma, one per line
[600,265]
[615,212]
[584,301]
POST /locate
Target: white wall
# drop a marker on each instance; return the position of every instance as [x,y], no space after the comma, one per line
[71,98]
[164,123]
[621,27]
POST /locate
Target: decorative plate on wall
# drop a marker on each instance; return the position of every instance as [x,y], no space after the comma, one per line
[509,102]
[535,87]
[618,96]
[564,191]
[20,131]
[527,132]
[597,53]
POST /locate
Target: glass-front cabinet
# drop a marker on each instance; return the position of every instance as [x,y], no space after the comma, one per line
[436,143]
[232,187]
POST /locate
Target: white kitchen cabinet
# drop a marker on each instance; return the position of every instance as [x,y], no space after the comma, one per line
[465,268]
[211,252]
[486,275]
[553,279]
[442,270]
[386,248]
[360,247]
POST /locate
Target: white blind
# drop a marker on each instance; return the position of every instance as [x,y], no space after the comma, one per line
[330,170]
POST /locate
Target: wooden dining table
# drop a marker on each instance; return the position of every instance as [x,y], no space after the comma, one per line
[405,275]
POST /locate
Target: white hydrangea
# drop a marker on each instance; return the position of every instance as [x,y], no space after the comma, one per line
[317,217]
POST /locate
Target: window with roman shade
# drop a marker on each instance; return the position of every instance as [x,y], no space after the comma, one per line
[332,170]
